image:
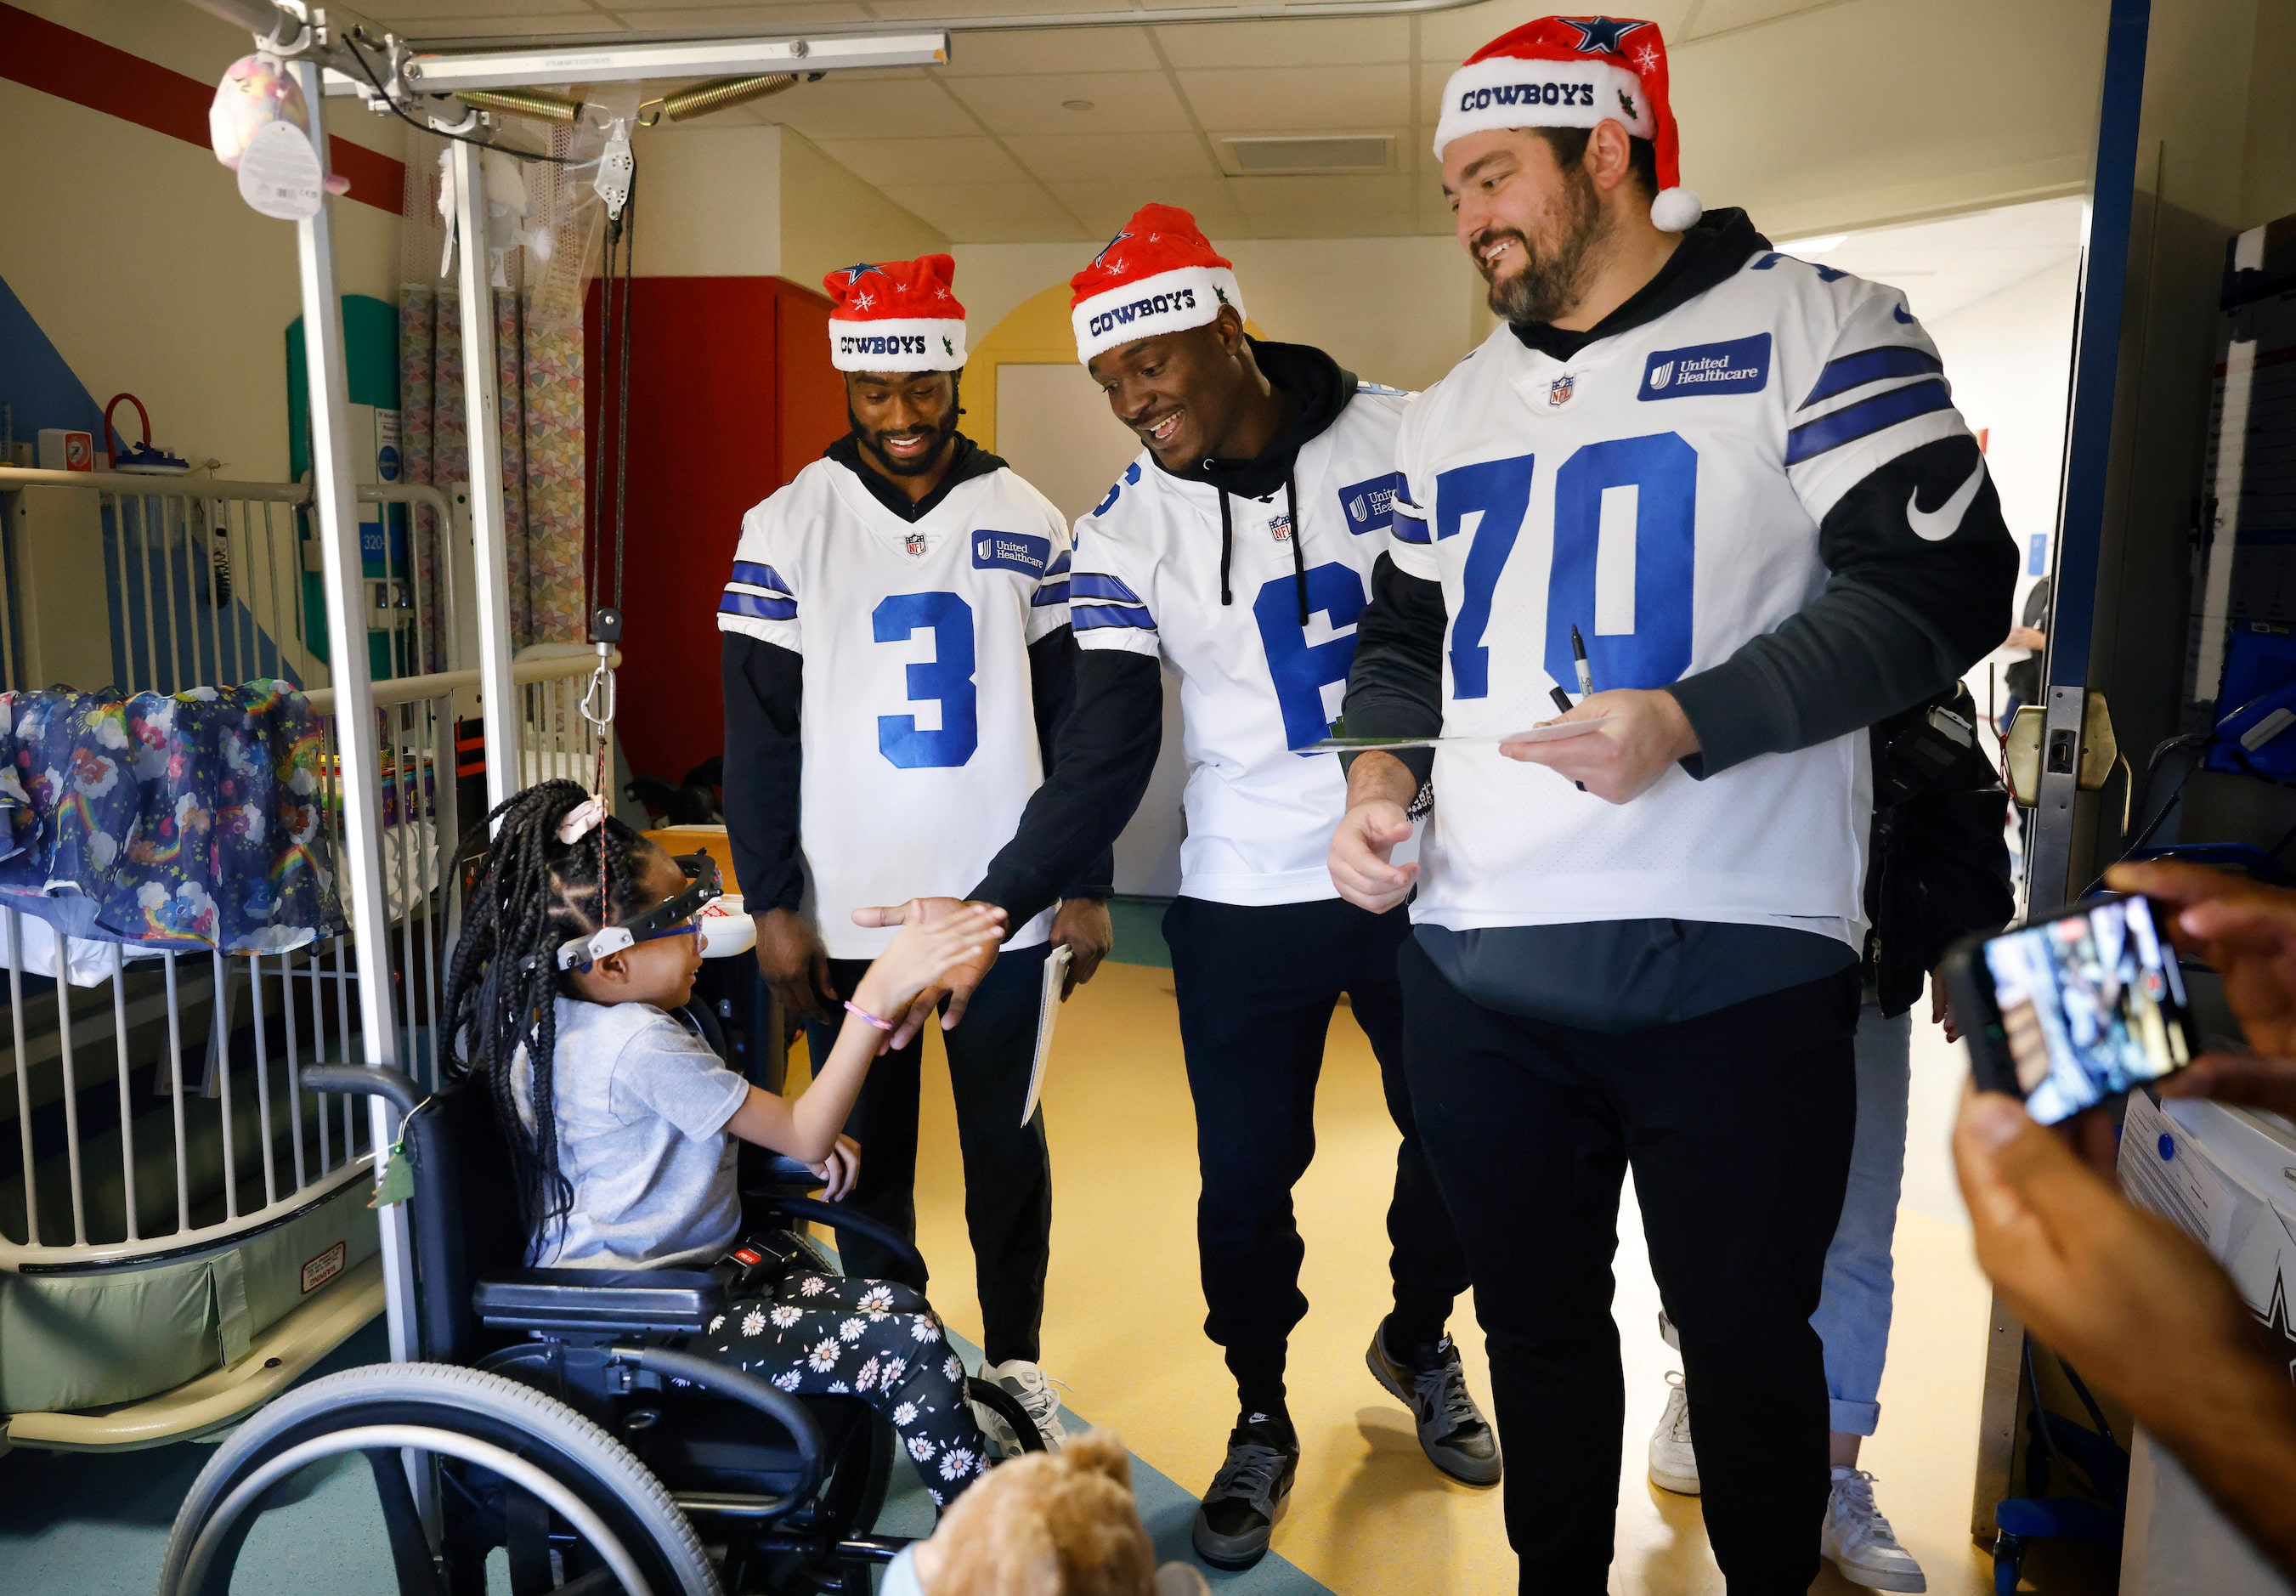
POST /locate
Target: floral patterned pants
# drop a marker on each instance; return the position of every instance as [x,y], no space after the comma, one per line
[826,1334]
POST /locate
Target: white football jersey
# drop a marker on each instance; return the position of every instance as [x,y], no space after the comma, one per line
[1255,689]
[1662,491]
[918,726]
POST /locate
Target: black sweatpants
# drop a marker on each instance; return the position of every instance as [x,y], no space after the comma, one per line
[1008,1175]
[1257,985]
[1737,1125]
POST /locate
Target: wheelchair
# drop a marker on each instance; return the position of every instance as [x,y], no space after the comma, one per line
[552,1416]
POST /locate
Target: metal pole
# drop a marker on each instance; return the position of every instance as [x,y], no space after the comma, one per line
[489,543]
[334,502]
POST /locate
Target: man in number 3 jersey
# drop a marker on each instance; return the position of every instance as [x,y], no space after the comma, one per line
[1740,477]
[897,656]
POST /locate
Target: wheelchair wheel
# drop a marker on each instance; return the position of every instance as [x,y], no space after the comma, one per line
[597,1514]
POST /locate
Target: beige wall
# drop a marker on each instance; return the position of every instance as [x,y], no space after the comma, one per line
[744,200]
[1396,311]
[137,256]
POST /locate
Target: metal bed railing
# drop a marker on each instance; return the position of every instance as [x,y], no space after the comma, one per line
[160,1111]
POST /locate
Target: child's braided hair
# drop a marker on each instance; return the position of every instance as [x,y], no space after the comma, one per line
[534,893]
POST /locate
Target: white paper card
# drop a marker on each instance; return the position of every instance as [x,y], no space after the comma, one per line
[1048,1010]
[1559,731]
[2160,1169]
[279,175]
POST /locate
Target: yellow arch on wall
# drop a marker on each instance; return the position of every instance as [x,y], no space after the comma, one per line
[1036,331]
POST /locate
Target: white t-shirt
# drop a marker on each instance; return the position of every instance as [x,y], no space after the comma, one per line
[1255,688]
[918,726]
[1663,490]
[642,1105]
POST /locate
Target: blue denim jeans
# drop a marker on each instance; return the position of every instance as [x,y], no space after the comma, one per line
[1853,1314]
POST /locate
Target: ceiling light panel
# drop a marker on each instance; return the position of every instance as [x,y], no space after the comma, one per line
[446,74]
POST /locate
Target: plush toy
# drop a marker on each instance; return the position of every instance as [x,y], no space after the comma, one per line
[257,89]
[1047,1524]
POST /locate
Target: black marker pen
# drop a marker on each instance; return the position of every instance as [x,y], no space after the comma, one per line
[1578,658]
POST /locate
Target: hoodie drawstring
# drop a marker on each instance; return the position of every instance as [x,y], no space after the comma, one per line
[1298,552]
[1227,545]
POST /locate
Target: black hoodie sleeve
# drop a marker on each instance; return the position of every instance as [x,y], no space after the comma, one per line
[1395,687]
[1052,674]
[764,688]
[1105,753]
[1901,616]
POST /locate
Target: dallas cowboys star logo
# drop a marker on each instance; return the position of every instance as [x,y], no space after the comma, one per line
[2276,1319]
[1111,244]
[1601,34]
[860,269]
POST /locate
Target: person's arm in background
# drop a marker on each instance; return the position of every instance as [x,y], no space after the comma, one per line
[2141,1310]
[1082,925]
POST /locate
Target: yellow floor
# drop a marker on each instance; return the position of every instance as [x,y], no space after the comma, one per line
[1124,1318]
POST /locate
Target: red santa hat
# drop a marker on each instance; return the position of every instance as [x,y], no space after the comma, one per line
[1574,72]
[898,316]
[1160,274]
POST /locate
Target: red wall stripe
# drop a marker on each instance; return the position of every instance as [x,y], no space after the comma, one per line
[41,54]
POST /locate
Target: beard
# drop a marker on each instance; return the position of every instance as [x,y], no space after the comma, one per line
[892,465]
[1546,286]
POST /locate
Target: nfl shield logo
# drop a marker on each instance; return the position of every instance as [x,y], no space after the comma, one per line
[915,544]
[1558,392]
[1280,528]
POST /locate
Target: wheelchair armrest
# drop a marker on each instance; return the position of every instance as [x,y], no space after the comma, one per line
[365,1081]
[843,1220]
[627,1302]
[778,1174]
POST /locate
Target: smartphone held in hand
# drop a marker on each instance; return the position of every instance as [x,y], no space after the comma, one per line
[2074,1008]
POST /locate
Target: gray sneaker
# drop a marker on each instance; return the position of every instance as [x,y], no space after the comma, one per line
[1249,1493]
[1859,1542]
[1453,1431]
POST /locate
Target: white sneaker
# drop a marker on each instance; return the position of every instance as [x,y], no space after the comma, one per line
[1673,1465]
[1034,1391]
[1858,1541]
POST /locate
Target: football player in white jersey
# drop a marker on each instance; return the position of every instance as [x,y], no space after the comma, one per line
[1740,480]
[1238,548]
[897,656]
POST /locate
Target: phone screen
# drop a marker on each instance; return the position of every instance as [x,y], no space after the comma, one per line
[2091,1005]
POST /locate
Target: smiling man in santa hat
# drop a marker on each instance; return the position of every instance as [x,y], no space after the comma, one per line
[1739,478]
[896,658]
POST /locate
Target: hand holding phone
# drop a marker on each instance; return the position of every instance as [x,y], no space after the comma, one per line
[2073,1009]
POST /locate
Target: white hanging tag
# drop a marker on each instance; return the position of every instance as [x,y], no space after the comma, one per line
[615,169]
[279,173]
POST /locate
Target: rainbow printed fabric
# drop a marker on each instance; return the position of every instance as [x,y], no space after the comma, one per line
[193,819]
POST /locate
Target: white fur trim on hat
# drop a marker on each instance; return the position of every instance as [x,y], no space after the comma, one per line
[896,343]
[1508,91]
[1172,301]
[1676,211]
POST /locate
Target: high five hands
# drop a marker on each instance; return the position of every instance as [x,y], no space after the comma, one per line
[1082,925]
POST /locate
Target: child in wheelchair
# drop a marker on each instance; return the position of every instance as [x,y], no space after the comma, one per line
[620,1124]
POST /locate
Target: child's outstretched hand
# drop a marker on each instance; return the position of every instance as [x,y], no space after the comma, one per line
[924,955]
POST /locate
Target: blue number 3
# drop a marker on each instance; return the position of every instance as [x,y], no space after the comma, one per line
[946,678]
[1663,470]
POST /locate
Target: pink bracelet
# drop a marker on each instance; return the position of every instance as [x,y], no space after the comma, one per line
[855,1009]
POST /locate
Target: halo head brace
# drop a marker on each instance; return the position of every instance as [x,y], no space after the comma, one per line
[675,916]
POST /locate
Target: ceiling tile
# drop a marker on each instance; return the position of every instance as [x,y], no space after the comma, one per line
[1121,102]
[701,14]
[450,14]
[889,161]
[1299,99]
[1107,206]
[1352,42]
[841,109]
[1061,51]
[922,11]
[1110,156]
[1344,203]
[948,206]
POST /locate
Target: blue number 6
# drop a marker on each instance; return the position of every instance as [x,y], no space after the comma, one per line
[946,678]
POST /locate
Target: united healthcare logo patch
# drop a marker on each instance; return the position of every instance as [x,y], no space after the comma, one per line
[1369,505]
[1024,552]
[1735,365]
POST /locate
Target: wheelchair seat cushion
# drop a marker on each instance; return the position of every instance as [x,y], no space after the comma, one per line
[636,1302]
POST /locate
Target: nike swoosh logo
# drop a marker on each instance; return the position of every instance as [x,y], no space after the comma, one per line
[1935,526]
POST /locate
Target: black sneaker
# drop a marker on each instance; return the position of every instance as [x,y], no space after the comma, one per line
[1249,1493]
[1452,1431]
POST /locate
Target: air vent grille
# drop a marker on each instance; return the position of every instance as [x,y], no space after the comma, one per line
[1353,153]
